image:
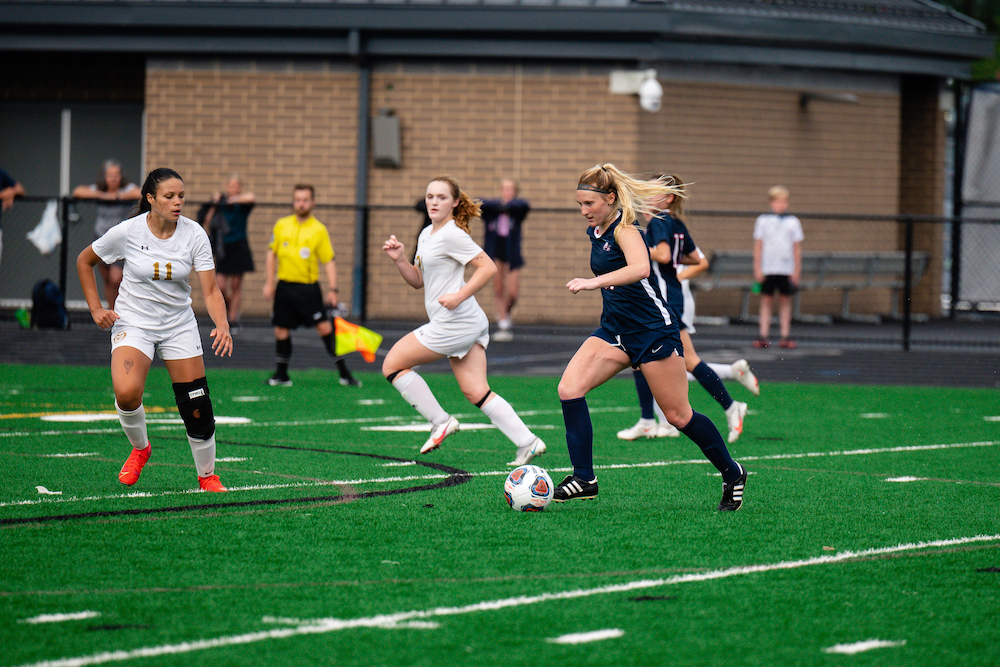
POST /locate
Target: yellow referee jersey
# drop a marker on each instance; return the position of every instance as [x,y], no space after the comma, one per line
[300,248]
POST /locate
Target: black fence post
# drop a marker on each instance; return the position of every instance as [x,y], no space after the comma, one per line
[360,293]
[64,204]
[907,286]
[960,132]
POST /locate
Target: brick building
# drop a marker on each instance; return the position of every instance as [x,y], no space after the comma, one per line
[841,102]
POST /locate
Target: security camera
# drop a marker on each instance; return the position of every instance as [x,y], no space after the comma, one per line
[650,95]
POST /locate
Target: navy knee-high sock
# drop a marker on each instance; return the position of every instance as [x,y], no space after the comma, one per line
[645,395]
[704,434]
[579,437]
[710,380]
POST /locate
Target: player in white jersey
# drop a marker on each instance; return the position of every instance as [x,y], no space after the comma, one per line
[161,249]
[458,328]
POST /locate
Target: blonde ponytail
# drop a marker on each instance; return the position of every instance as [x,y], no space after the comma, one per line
[632,194]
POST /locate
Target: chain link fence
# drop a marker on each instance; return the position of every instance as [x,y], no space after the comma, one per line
[894,271]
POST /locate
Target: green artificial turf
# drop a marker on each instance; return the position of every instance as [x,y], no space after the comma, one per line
[335,547]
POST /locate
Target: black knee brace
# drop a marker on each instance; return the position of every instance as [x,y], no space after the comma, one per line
[195,407]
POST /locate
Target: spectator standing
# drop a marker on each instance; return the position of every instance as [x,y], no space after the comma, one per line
[503,218]
[162,250]
[777,265]
[233,257]
[115,197]
[9,188]
[458,328]
[300,244]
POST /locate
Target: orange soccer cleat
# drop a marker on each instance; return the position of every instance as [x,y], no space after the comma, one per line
[211,484]
[130,472]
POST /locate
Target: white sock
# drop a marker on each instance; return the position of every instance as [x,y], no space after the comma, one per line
[415,391]
[134,425]
[724,371]
[505,419]
[204,455]
[659,413]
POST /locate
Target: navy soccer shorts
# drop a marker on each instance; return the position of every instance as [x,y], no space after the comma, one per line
[644,346]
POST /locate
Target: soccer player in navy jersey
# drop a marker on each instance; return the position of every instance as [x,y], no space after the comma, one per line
[673,250]
[637,329]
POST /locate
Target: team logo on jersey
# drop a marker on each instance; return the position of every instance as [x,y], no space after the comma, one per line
[304,253]
[119,337]
[607,247]
[419,262]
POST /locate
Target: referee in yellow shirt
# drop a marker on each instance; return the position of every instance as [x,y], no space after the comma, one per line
[299,245]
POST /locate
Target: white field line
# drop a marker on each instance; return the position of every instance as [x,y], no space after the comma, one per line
[325,625]
[585,637]
[59,618]
[496,473]
[301,422]
[860,647]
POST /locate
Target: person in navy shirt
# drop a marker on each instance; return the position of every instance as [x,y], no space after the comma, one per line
[503,219]
[9,188]
[673,250]
[637,329]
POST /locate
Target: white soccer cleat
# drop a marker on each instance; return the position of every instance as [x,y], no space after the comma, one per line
[527,453]
[667,430]
[742,372]
[438,433]
[734,415]
[645,428]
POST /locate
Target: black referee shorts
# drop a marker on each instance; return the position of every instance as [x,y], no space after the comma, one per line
[298,305]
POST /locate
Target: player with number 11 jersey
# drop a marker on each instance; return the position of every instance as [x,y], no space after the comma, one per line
[155,293]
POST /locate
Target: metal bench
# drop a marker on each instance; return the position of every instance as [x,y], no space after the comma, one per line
[845,271]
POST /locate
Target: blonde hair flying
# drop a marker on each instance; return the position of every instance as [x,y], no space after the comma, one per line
[632,194]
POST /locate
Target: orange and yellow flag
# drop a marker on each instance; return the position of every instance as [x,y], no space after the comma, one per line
[353,338]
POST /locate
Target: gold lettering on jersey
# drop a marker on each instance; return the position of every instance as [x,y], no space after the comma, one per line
[156,270]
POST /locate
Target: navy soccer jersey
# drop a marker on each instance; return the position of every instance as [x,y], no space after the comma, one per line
[665,227]
[627,308]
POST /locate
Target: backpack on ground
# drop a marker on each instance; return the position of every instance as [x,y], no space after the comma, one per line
[48,306]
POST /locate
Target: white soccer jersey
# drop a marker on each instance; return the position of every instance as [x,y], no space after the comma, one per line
[155,293]
[779,233]
[441,257]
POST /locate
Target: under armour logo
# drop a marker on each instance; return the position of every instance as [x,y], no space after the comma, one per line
[144,247]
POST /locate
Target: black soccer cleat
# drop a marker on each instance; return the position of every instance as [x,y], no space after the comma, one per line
[573,488]
[732,493]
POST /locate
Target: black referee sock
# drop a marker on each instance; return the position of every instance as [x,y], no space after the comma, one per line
[283,353]
[330,341]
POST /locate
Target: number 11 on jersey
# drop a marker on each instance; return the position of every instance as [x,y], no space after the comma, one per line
[156,270]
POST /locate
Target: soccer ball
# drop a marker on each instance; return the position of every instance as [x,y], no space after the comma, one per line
[528,489]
